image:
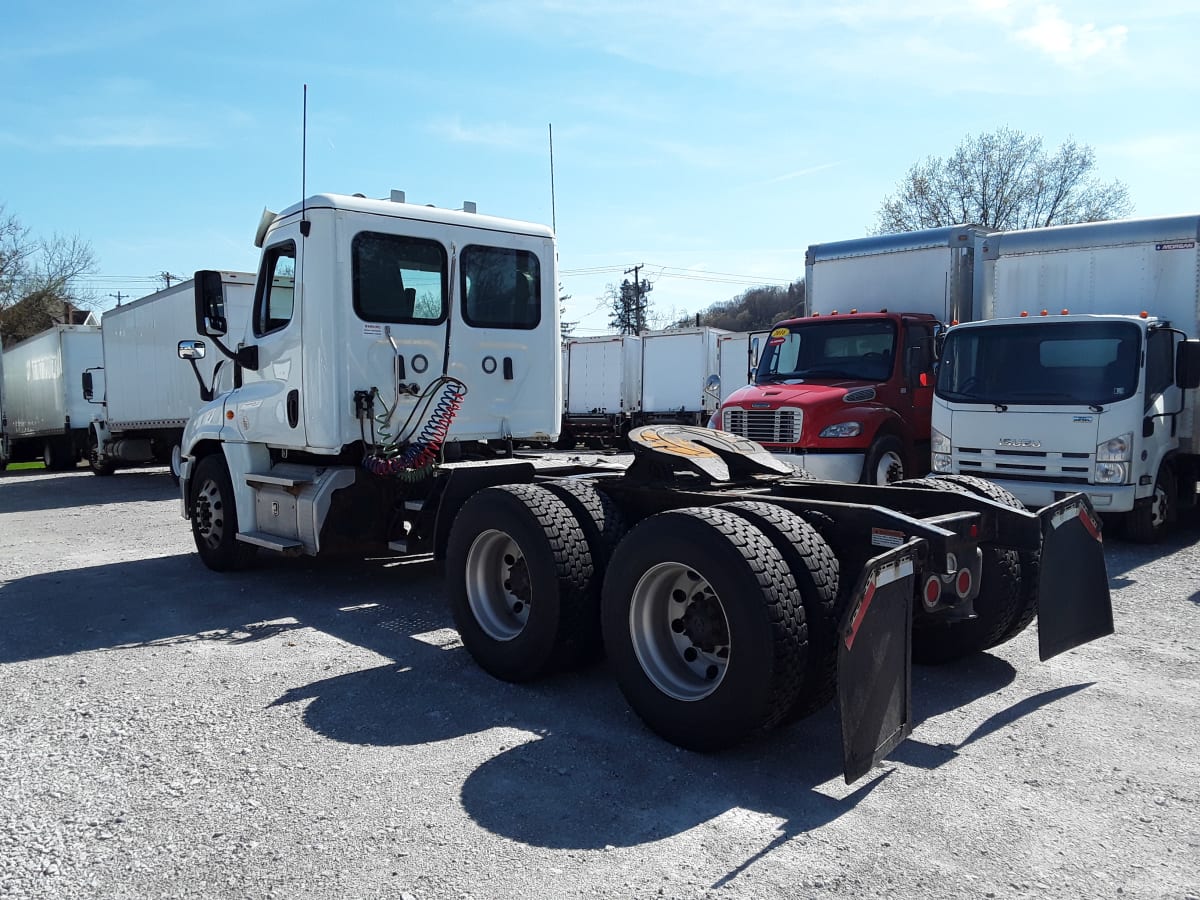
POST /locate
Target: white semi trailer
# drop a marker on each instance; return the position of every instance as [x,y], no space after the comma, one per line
[44,405]
[397,354]
[147,397]
[1082,376]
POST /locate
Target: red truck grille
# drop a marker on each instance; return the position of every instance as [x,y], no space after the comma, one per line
[766,426]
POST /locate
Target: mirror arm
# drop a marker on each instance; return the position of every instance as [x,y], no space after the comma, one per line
[206,393]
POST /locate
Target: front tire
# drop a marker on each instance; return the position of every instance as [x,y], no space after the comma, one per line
[885,462]
[1150,520]
[214,517]
[703,629]
[519,592]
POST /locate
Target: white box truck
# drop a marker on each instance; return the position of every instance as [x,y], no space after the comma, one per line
[44,405]
[147,397]
[737,353]
[1081,378]
[603,380]
[677,367]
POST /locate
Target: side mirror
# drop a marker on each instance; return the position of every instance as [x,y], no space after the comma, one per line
[712,386]
[187,350]
[1187,364]
[87,386]
[210,304]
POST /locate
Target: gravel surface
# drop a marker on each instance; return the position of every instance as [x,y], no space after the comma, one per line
[311,730]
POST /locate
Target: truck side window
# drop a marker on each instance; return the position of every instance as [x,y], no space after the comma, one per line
[398,278]
[501,287]
[1160,363]
[274,297]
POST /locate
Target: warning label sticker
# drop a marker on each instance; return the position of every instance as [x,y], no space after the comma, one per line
[372,330]
[883,537]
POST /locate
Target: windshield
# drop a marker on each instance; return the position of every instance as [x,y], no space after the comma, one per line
[822,348]
[1036,362]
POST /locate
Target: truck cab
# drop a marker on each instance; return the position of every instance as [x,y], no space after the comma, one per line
[1050,405]
[846,397]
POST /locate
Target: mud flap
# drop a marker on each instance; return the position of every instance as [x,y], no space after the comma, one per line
[1074,605]
[875,660]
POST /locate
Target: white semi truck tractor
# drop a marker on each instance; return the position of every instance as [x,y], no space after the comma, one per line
[396,359]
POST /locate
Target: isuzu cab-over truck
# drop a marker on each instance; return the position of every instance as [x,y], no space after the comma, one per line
[1082,377]
[395,356]
[846,391]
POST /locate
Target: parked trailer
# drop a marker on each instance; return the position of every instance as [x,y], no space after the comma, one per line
[677,366]
[738,353]
[603,381]
[846,392]
[147,397]
[5,450]
[1082,378]
[44,405]
[729,593]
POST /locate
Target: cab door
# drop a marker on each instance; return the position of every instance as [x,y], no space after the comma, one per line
[266,408]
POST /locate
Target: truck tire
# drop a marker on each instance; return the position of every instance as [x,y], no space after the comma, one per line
[1030,561]
[703,628]
[1150,520]
[56,454]
[102,468]
[519,589]
[885,461]
[936,641]
[214,517]
[814,568]
[603,526]
[176,463]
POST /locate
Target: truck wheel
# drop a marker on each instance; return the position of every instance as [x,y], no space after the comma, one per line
[936,640]
[56,454]
[703,628]
[214,517]
[1030,561]
[1150,520]
[815,571]
[103,468]
[176,463]
[885,461]
[519,590]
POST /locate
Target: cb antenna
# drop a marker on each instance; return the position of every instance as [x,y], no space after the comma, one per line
[305,226]
[553,209]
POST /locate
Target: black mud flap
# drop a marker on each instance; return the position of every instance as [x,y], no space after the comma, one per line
[1074,605]
[875,660]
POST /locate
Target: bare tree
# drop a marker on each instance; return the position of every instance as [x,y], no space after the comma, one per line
[1004,180]
[38,279]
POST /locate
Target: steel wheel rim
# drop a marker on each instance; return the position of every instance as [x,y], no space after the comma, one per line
[498,589]
[1158,507]
[209,513]
[176,461]
[680,631]
[890,468]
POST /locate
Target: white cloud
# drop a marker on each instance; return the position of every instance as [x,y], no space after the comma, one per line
[1069,44]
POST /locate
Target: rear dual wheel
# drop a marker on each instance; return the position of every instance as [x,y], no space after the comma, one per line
[703,627]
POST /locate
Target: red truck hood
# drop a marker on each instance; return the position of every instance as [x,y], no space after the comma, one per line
[808,393]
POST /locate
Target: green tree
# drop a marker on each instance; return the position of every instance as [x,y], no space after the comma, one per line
[1005,180]
[37,279]
[629,305]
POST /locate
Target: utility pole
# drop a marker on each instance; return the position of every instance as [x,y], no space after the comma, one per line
[167,277]
[120,296]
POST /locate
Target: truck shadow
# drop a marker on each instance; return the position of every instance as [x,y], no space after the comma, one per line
[31,490]
[567,763]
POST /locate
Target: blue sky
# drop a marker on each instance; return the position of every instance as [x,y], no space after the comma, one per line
[711,142]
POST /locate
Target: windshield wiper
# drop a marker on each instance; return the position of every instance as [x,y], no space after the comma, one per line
[1063,396]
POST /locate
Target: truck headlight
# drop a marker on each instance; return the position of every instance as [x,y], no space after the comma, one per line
[841,430]
[1115,449]
[1111,473]
[941,462]
[938,442]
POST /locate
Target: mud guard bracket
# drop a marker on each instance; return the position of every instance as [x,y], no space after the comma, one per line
[875,659]
[1074,605]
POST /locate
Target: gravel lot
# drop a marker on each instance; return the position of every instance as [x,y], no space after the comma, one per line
[316,731]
